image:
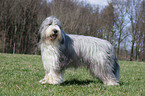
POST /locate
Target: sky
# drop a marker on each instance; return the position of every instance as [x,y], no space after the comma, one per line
[97,2]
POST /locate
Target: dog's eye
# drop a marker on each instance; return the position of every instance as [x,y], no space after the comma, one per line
[50,23]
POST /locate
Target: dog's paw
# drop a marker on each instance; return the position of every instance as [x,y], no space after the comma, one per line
[43,81]
[111,83]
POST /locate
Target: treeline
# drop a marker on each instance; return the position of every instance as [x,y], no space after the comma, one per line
[120,22]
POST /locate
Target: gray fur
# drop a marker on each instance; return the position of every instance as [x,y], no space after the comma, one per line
[77,50]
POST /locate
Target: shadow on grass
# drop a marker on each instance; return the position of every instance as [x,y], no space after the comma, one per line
[84,82]
[77,82]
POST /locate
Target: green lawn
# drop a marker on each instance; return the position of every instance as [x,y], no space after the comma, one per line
[20,75]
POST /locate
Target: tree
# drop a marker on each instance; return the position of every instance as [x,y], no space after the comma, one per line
[133,15]
[107,21]
[19,25]
[142,30]
[120,22]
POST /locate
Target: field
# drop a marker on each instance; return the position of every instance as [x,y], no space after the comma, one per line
[20,75]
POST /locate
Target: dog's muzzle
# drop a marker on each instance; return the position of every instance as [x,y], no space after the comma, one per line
[54,34]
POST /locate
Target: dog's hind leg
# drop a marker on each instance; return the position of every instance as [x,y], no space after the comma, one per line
[104,74]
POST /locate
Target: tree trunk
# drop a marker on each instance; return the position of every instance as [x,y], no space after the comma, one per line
[137,53]
[118,49]
[132,51]
[14,45]
[143,59]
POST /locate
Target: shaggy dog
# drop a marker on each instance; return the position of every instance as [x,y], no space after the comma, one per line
[60,51]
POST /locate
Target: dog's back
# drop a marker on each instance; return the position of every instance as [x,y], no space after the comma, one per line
[94,50]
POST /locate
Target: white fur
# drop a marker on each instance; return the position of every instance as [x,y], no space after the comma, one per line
[50,58]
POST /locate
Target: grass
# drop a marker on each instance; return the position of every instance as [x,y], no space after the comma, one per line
[19,76]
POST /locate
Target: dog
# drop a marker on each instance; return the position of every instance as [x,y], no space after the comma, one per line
[60,51]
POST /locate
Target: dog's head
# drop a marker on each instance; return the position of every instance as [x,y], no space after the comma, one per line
[50,30]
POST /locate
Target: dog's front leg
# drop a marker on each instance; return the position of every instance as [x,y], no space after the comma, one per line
[53,77]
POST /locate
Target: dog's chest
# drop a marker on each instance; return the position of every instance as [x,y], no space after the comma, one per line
[49,55]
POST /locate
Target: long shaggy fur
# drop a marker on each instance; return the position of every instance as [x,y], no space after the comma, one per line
[60,51]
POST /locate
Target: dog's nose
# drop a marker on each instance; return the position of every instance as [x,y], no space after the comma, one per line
[55,31]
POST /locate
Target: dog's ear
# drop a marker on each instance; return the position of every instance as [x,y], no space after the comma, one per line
[38,36]
[62,41]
